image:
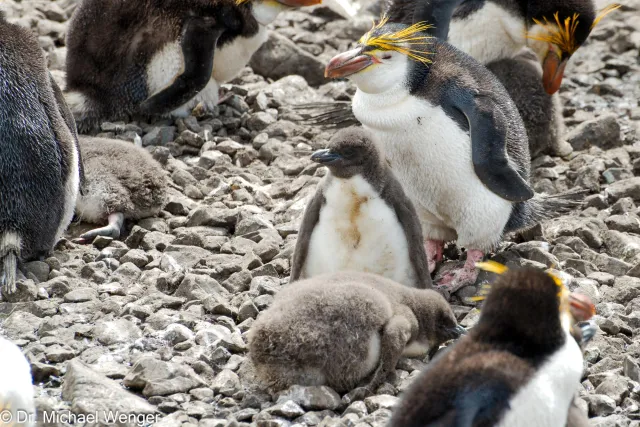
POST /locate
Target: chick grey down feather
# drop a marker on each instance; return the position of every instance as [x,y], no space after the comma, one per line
[346,330]
[120,178]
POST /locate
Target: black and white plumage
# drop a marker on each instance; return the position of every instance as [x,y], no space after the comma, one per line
[519,366]
[40,165]
[360,219]
[346,330]
[16,387]
[453,137]
[123,181]
[160,56]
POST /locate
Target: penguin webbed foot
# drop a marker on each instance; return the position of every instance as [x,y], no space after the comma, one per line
[465,276]
[116,220]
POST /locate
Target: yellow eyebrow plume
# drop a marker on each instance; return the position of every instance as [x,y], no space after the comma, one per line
[492,267]
[561,34]
[604,12]
[239,2]
[404,41]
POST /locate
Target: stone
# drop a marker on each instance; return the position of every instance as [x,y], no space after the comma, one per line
[312,398]
[226,383]
[603,132]
[600,404]
[158,378]
[116,331]
[199,287]
[176,333]
[81,295]
[91,393]
[383,401]
[288,409]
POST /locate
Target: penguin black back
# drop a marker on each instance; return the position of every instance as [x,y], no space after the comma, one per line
[39,160]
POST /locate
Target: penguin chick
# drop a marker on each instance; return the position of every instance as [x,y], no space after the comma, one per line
[519,366]
[360,219]
[123,181]
[360,323]
[160,56]
[540,112]
[40,165]
[452,136]
[16,387]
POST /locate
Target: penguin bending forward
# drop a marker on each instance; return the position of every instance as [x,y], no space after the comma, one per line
[16,387]
[123,181]
[40,165]
[160,56]
[360,219]
[453,137]
[360,323]
[519,366]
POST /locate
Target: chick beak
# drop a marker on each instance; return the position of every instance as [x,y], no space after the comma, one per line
[581,307]
[553,71]
[325,157]
[347,63]
[299,3]
[587,331]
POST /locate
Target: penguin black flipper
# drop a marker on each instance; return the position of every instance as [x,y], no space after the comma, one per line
[67,116]
[479,395]
[309,221]
[199,39]
[394,196]
[488,128]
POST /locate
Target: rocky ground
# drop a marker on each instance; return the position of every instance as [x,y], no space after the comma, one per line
[156,322]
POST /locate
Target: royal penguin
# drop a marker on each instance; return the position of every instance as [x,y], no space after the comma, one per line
[360,219]
[40,165]
[360,323]
[160,57]
[17,406]
[453,137]
[122,181]
[519,366]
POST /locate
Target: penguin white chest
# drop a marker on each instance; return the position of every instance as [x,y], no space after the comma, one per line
[545,399]
[431,157]
[231,58]
[488,34]
[358,231]
[16,388]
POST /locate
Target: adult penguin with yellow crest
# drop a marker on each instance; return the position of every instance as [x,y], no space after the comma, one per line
[452,136]
[526,44]
[519,366]
[160,56]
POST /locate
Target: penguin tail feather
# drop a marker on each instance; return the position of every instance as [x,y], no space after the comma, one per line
[543,207]
[328,114]
[10,243]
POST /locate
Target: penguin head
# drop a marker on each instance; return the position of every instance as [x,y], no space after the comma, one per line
[531,306]
[437,320]
[556,38]
[351,152]
[381,57]
[266,11]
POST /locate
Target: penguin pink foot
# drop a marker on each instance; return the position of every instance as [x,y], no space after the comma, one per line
[434,249]
[467,275]
[116,221]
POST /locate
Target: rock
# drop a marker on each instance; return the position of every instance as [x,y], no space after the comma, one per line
[198,287]
[288,409]
[614,387]
[603,132]
[116,331]
[81,295]
[630,369]
[91,393]
[226,383]
[280,57]
[625,188]
[158,378]
[600,404]
[383,401]
[312,398]
[176,333]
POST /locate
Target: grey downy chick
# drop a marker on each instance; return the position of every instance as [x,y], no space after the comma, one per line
[360,218]
[346,330]
[40,165]
[123,181]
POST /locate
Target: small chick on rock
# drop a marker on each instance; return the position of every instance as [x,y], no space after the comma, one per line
[520,366]
[122,181]
[360,218]
[16,387]
[346,330]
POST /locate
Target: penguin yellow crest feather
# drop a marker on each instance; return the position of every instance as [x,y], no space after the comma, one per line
[405,41]
[562,34]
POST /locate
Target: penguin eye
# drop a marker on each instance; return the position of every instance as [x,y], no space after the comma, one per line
[386,56]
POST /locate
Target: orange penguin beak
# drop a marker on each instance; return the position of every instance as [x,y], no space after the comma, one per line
[347,63]
[581,307]
[299,3]
[552,72]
